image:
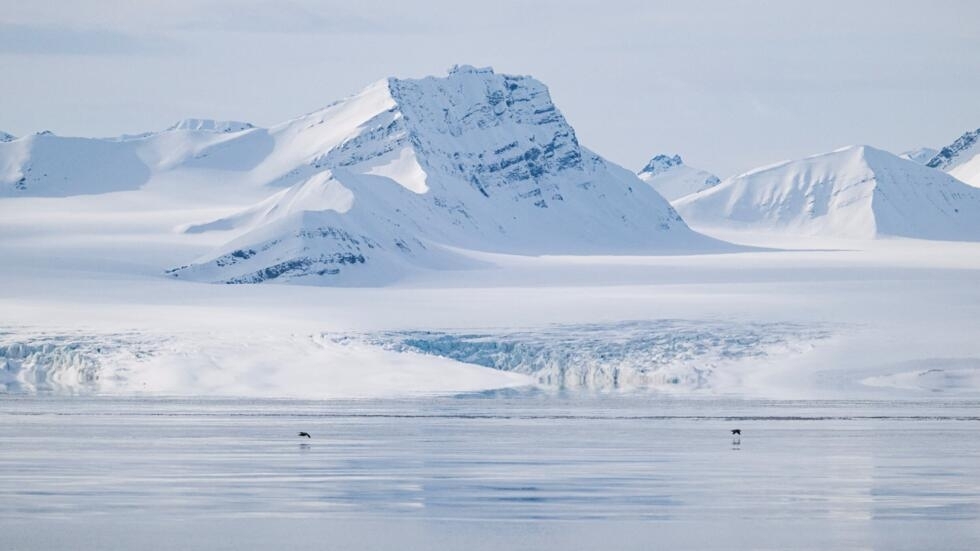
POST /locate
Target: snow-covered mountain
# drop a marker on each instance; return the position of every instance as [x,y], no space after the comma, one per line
[673,179]
[399,176]
[961,158]
[854,192]
[406,170]
[4,137]
[921,155]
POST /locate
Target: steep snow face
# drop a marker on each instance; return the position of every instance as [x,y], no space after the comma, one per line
[673,179]
[921,155]
[961,158]
[854,192]
[390,179]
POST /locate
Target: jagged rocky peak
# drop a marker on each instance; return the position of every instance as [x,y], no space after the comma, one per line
[501,134]
[948,155]
[497,130]
[661,163]
[210,125]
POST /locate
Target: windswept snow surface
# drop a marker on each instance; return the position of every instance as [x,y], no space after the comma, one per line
[673,179]
[856,192]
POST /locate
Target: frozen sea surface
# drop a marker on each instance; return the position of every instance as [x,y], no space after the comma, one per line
[511,470]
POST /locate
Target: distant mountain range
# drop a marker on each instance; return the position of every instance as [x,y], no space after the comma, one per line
[409,174]
[394,178]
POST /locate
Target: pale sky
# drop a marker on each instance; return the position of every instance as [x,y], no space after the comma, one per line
[727,84]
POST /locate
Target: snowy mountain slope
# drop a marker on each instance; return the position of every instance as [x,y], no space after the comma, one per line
[854,192]
[4,137]
[961,158]
[921,155]
[392,177]
[673,179]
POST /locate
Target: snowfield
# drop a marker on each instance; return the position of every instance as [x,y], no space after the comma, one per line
[868,319]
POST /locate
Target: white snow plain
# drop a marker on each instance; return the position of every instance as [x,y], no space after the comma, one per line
[862,318]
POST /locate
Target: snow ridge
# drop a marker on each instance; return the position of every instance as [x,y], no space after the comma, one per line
[854,192]
[210,125]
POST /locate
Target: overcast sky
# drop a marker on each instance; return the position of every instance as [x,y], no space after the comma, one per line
[728,84]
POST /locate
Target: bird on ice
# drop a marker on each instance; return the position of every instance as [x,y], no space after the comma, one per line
[306,434]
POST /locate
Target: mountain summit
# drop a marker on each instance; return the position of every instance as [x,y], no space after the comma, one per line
[673,179]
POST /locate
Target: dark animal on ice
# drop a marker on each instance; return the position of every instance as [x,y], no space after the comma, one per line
[306,434]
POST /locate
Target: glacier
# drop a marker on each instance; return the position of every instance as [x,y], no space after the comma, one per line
[632,355]
[646,355]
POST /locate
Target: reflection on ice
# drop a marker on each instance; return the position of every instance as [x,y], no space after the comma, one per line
[474,459]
